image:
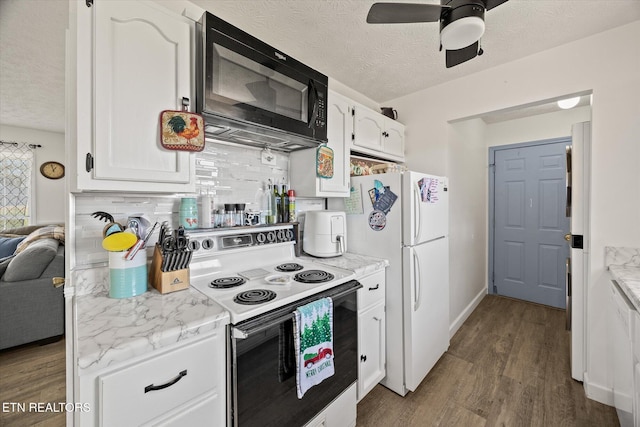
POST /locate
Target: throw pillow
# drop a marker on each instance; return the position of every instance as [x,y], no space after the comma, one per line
[47,232]
[9,245]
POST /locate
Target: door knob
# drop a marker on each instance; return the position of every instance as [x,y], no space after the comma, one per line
[567,237]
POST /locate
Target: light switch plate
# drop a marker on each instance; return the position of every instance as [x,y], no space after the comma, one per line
[268,158]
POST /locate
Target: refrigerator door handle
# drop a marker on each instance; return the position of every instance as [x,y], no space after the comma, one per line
[417,221]
[416,282]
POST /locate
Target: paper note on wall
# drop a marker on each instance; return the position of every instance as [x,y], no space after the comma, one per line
[353,204]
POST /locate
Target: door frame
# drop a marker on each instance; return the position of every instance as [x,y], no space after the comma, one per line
[491,190]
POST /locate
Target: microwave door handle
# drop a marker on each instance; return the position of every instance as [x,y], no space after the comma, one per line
[313,101]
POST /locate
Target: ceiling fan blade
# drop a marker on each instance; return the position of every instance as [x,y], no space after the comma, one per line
[490,4]
[456,57]
[403,13]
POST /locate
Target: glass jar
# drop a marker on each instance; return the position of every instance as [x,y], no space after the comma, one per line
[240,214]
[229,215]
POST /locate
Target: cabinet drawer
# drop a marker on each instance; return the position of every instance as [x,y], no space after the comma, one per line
[373,290]
[143,391]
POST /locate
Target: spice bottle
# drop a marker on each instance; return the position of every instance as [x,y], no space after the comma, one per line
[284,204]
[275,205]
[292,206]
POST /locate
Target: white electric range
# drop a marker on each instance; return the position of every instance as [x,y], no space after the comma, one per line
[250,271]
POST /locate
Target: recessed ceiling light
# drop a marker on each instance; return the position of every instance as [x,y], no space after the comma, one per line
[565,104]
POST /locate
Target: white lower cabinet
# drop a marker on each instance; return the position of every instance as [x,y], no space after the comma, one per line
[340,413]
[183,386]
[622,354]
[371,332]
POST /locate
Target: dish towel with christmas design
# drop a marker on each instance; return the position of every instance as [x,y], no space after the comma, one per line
[313,329]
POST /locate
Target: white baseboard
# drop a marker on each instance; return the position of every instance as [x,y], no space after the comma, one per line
[453,328]
[597,392]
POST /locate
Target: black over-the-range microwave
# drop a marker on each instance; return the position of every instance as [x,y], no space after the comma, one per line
[253,94]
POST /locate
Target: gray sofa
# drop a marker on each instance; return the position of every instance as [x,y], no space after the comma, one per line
[31,308]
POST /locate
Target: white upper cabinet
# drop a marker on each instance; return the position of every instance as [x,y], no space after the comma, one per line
[302,166]
[140,63]
[376,134]
[394,137]
[368,129]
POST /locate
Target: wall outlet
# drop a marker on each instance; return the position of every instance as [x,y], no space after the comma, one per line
[268,158]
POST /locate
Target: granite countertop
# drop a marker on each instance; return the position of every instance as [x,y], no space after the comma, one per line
[111,330]
[624,265]
[361,265]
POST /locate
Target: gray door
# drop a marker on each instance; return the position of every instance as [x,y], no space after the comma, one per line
[530,223]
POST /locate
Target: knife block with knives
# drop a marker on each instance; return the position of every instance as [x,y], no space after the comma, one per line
[170,263]
[166,281]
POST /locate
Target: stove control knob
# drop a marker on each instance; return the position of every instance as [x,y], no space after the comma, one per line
[281,236]
[289,235]
[271,236]
[207,244]
[261,238]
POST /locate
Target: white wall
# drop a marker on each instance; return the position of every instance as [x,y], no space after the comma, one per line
[50,194]
[608,64]
[536,128]
[468,176]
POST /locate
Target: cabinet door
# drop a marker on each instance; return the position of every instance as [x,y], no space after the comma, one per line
[394,138]
[340,122]
[368,128]
[142,66]
[203,412]
[151,389]
[371,336]
[373,290]
[302,163]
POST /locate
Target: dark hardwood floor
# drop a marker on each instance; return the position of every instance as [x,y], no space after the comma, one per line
[33,374]
[508,365]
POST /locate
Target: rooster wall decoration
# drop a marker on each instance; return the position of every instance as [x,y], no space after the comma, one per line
[181,130]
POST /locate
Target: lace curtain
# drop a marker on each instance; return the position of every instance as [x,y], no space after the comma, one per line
[16,165]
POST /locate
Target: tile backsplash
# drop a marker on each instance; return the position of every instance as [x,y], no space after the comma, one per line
[229,173]
[235,174]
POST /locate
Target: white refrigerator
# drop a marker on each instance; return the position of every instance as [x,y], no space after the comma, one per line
[403,217]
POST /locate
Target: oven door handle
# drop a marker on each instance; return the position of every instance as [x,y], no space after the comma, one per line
[244,332]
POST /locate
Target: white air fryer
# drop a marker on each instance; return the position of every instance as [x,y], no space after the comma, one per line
[325,233]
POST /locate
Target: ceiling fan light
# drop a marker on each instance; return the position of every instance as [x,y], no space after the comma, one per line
[568,103]
[462,33]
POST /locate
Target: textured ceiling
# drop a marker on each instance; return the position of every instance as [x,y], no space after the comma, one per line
[382,62]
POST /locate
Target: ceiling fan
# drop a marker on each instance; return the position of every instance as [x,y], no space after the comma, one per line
[461,23]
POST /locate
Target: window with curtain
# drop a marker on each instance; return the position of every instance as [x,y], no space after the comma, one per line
[16,164]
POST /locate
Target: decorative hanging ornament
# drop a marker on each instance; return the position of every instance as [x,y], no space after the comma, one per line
[324,162]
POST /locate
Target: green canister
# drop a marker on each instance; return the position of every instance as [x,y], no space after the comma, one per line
[189,213]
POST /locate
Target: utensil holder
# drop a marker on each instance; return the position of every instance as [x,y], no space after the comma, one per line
[166,281]
[127,278]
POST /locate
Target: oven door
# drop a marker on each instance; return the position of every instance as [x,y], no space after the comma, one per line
[263,370]
[248,80]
